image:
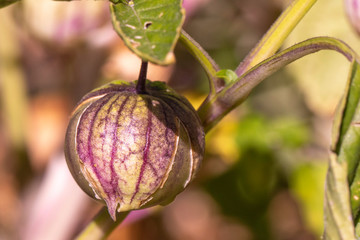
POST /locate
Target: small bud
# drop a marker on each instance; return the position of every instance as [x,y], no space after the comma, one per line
[134,150]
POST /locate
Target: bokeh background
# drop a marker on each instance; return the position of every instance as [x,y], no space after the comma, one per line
[265,164]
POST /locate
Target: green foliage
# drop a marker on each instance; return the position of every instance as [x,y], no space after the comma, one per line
[337,212]
[256,131]
[149,28]
[307,184]
[245,191]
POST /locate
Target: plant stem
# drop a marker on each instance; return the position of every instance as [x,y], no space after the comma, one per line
[141,84]
[101,226]
[205,60]
[232,95]
[276,35]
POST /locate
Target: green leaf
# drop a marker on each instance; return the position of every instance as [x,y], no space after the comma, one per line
[4,3]
[338,218]
[149,28]
[307,180]
[245,191]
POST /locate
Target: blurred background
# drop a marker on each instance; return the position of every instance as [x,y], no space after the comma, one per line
[265,164]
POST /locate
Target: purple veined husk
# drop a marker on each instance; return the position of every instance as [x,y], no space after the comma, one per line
[133,150]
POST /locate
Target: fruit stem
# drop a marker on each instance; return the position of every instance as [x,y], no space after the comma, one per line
[101,226]
[141,84]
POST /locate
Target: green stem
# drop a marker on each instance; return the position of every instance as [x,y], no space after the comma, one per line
[101,226]
[276,35]
[205,60]
[223,102]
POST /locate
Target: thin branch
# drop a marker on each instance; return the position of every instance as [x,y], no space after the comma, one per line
[212,111]
[101,226]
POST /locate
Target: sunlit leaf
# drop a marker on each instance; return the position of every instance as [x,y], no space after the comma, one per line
[149,28]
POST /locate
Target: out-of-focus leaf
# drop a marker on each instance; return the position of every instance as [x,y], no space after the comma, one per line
[149,28]
[246,189]
[4,3]
[12,84]
[257,131]
[244,192]
[307,184]
[338,218]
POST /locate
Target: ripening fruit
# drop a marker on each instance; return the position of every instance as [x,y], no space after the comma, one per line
[134,150]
